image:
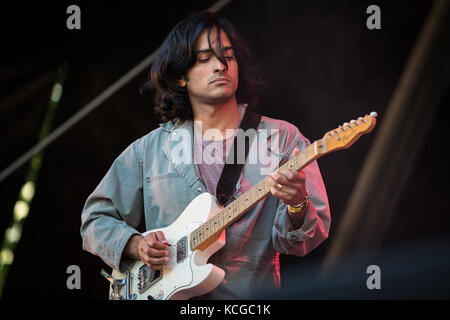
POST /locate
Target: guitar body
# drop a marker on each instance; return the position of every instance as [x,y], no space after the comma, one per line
[187,274]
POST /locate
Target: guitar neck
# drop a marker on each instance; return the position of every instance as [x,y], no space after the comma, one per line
[208,232]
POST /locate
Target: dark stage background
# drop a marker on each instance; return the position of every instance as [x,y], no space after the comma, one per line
[323,67]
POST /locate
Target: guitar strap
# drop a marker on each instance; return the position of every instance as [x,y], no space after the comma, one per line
[233,168]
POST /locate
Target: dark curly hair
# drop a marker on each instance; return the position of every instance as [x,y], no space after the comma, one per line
[177,54]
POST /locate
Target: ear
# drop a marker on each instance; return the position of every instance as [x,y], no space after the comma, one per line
[181,82]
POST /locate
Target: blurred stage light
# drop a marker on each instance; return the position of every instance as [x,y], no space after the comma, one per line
[56,92]
[21,210]
[27,191]
[13,233]
[6,257]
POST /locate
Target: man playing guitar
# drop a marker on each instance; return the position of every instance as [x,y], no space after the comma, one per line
[202,82]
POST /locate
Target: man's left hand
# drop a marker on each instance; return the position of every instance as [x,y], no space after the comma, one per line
[289,185]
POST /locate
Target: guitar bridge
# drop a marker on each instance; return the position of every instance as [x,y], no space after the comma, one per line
[116,284]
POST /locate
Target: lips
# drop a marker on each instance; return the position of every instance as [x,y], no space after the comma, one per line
[220,79]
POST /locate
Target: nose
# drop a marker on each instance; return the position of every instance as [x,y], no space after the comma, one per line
[218,66]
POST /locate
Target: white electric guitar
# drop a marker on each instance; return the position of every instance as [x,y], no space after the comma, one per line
[199,231]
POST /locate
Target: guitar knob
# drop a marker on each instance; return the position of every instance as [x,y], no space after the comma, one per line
[352,121]
[149,297]
[374,114]
[345,124]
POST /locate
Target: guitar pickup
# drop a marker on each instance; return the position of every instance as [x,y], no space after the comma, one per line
[181,249]
[147,277]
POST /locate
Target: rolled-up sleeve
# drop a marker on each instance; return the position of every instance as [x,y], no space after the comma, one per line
[287,239]
[113,210]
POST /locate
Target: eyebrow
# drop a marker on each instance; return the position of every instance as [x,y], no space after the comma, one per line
[209,50]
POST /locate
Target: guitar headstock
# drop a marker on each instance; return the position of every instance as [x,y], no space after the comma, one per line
[347,134]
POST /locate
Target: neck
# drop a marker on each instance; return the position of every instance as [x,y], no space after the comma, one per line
[219,116]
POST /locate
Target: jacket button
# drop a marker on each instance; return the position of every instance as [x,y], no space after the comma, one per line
[199,190]
[293,237]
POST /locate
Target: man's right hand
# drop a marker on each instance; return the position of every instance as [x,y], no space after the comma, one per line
[151,249]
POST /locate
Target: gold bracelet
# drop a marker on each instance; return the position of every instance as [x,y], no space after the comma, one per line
[299,207]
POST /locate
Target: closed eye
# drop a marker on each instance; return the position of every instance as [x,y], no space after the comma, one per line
[204,56]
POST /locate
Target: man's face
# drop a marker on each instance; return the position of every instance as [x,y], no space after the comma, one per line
[209,81]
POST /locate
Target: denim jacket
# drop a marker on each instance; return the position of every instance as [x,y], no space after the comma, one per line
[147,182]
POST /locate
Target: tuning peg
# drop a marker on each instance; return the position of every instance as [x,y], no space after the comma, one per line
[374,114]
